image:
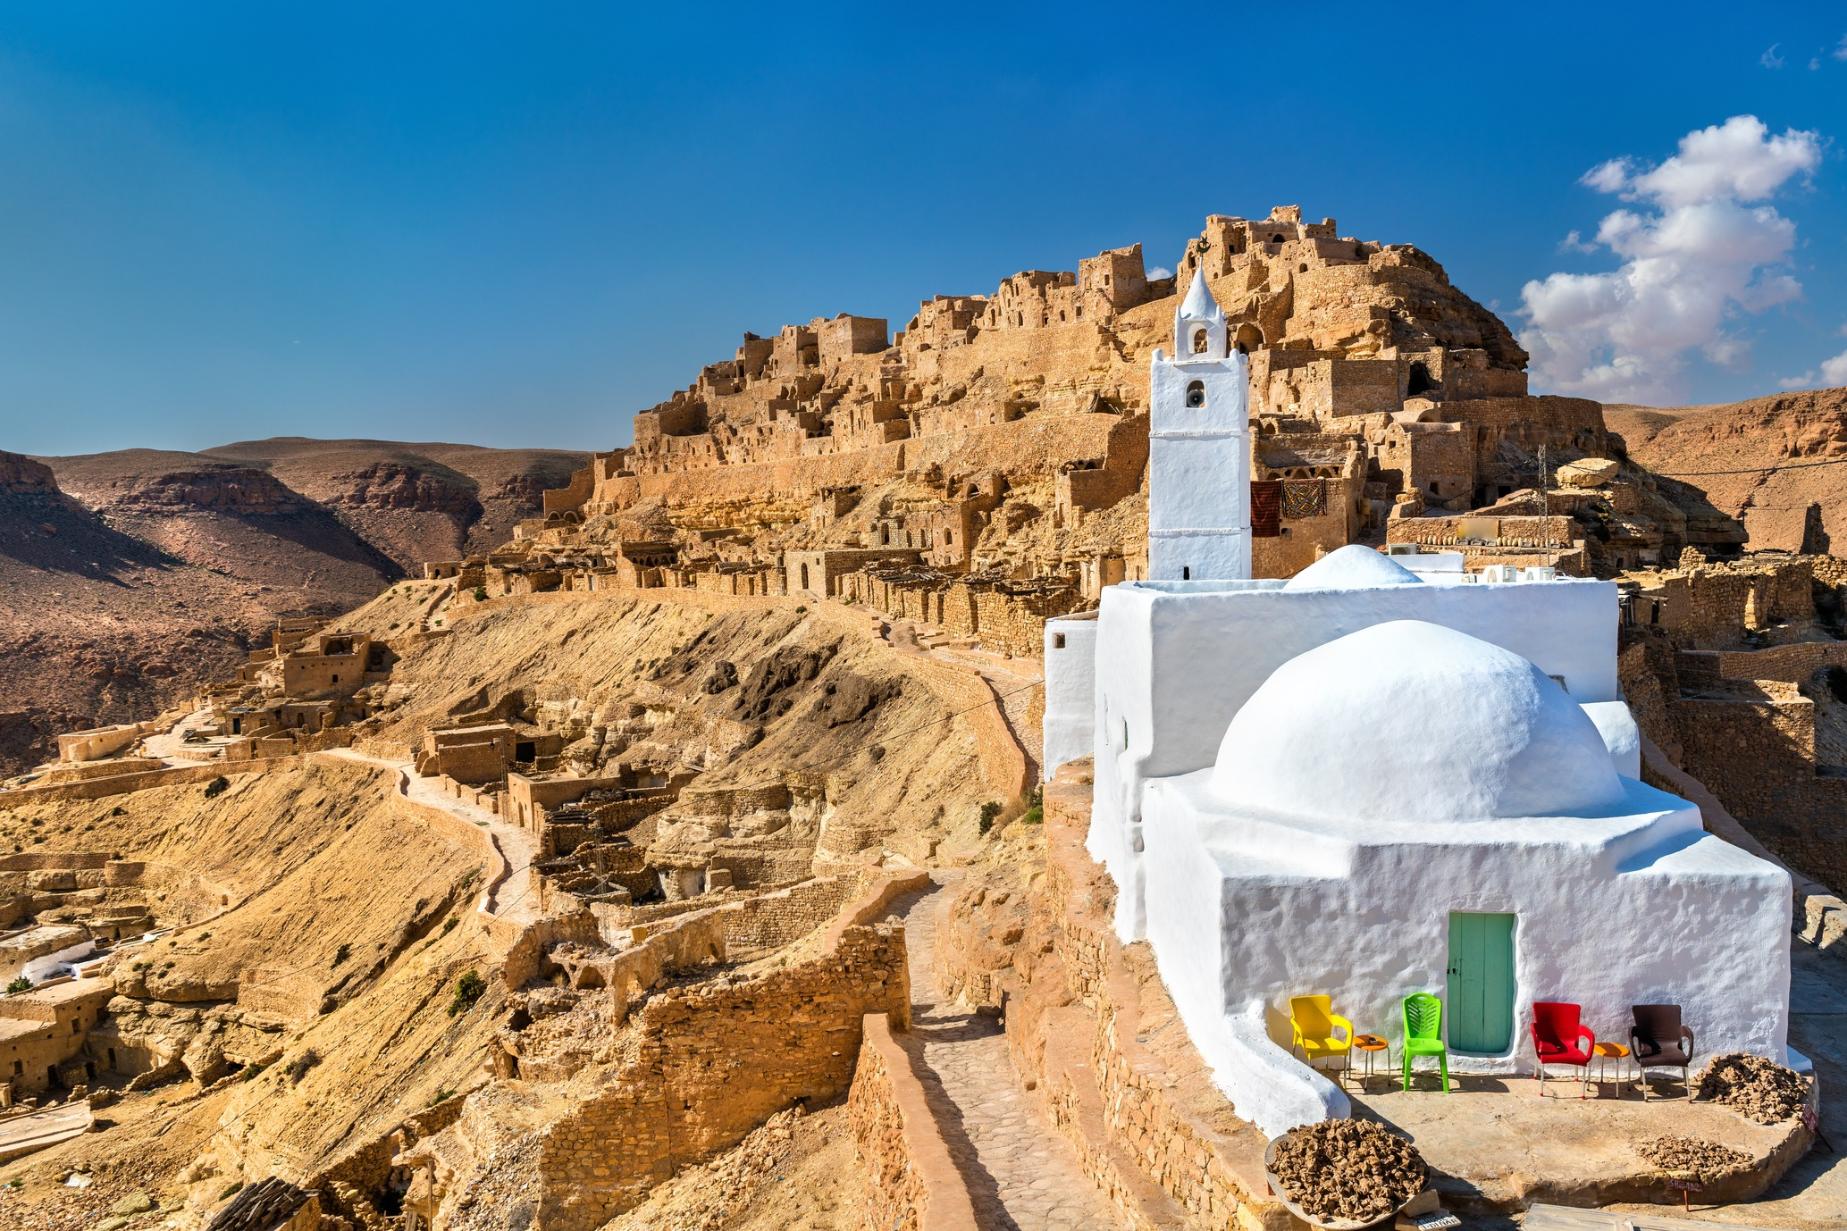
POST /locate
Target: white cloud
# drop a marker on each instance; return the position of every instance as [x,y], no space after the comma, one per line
[1840,48]
[1607,176]
[1574,242]
[1699,245]
[1814,63]
[1770,58]
[1831,372]
[1160,271]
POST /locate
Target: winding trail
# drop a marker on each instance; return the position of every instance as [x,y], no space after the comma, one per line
[512,899]
[1021,1174]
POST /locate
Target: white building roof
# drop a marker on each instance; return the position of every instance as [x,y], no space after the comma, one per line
[1353,567]
[1408,722]
[1199,304]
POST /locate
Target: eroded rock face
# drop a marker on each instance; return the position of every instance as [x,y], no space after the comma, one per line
[766,691]
[21,475]
[232,489]
[393,485]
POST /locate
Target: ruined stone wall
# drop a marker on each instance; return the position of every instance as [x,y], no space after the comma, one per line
[911,1178]
[1794,663]
[710,1063]
[1710,607]
[1759,757]
[779,917]
[122,784]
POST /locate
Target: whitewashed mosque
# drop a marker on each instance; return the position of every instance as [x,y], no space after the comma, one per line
[1315,785]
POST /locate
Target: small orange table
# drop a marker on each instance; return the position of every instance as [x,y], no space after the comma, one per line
[1605,1052]
[1369,1046]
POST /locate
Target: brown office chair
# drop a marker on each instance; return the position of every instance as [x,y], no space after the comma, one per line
[1658,1040]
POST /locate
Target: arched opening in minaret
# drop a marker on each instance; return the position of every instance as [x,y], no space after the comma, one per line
[1200,341]
[1250,338]
[1196,395]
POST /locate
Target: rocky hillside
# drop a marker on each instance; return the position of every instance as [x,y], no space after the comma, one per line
[134,574]
[1725,451]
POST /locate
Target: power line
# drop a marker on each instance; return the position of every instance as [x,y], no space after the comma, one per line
[1702,474]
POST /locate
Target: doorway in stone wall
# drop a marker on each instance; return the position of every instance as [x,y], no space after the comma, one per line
[1480,1013]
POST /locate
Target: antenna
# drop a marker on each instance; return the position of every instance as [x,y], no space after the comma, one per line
[1545,490]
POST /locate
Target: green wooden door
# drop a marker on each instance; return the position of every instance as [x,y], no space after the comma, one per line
[1481,982]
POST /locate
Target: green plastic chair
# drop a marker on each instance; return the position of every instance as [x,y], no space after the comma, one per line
[1423,1034]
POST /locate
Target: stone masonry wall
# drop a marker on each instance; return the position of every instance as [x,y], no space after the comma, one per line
[708,1065]
[1759,757]
[911,1178]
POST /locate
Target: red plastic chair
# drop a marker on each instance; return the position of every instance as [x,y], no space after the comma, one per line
[1559,1037]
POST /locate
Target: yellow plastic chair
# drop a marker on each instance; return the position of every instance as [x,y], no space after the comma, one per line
[1320,1033]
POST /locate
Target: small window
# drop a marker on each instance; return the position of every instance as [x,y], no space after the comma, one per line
[1199,341]
[1196,395]
[1058,641]
[1186,572]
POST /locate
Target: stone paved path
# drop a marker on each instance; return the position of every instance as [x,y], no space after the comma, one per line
[1022,1175]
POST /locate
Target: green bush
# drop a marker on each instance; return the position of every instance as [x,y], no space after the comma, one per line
[21,984]
[468,989]
[1035,807]
[989,811]
[480,594]
[297,1068]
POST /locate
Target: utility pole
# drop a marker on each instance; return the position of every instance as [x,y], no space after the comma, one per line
[1545,489]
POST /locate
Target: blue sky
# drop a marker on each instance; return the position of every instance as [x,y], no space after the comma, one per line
[517,225]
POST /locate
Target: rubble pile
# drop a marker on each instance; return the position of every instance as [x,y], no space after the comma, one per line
[1706,1159]
[1348,1169]
[1754,1087]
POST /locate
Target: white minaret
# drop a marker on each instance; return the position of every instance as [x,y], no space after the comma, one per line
[1199,453]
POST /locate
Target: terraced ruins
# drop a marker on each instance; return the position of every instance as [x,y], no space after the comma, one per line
[672,848]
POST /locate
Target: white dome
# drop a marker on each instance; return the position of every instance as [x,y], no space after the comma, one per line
[1408,722]
[1353,567]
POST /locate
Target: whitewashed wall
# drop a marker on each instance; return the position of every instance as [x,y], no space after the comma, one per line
[1245,911]
[1203,649]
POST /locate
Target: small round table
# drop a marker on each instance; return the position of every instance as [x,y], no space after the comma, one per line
[1606,1052]
[1369,1046]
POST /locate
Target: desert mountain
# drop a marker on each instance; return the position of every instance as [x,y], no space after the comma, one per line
[131,575]
[1722,451]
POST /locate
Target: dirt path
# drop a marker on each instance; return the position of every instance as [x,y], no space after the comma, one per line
[513,899]
[1012,681]
[1021,1174]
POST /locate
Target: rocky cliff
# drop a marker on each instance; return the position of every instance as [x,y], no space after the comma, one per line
[135,574]
[1726,452]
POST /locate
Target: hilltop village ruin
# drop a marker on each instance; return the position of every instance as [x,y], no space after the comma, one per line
[751,813]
